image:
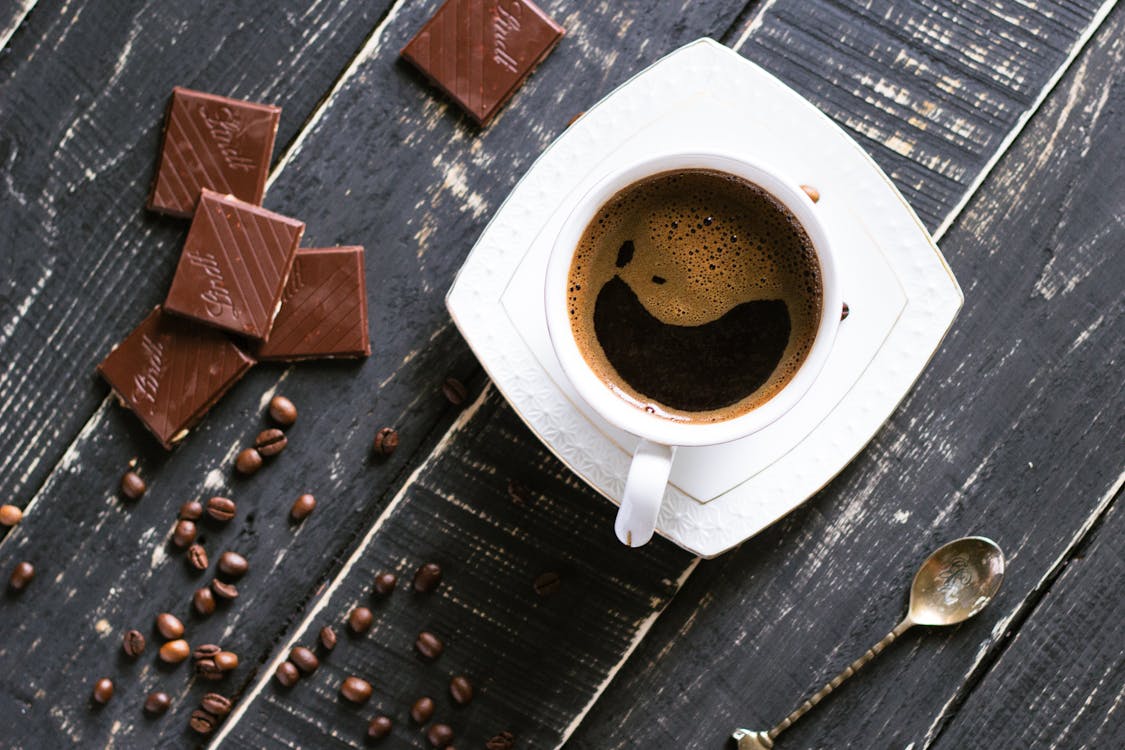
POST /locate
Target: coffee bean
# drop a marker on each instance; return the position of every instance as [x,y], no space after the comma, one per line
[233,564]
[355,689]
[287,674]
[519,494]
[174,652]
[461,689]
[132,486]
[209,670]
[197,557]
[133,642]
[440,735]
[169,626]
[21,576]
[184,533]
[379,727]
[221,508]
[282,411]
[215,704]
[192,510]
[202,722]
[813,193]
[454,391]
[305,659]
[10,515]
[385,583]
[429,645]
[547,584]
[103,690]
[328,638]
[223,590]
[270,442]
[386,441]
[360,620]
[845,311]
[204,601]
[302,507]
[422,709]
[427,578]
[248,461]
[501,741]
[157,703]
[206,651]
[226,660]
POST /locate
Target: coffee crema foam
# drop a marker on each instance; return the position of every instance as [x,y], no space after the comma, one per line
[695,294]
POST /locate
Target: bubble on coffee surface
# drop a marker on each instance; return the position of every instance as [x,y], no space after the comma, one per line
[693,245]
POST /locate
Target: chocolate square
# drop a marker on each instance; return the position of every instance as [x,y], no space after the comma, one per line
[212,142]
[324,308]
[234,265]
[170,371]
[480,51]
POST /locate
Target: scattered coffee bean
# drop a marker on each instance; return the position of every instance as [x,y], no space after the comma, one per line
[427,578]
[133,642]
[103,690]
[206,651]
[845,311]
[328,638]
[248,461]
[169,626]
[461,689]
[386,441]
[132,486]
[440,735]
[233,564]
[501,741]
[202,722]
[21,576]
[221,508]
[302,507]
[282,411]
[158,702]
[422,709]
[10,515]
[287,674]
[360,620]
[184,533]
[379,727]
[813,193]
[204,601]
[270,442]
[518,492]
[454,391]
[215,704]
[192,510]
[305,659]
[197,557]
[355,689]
[209,670]
[385,583]
[429,645]
[226,660]
[224,590]
[174,652]
[547,583]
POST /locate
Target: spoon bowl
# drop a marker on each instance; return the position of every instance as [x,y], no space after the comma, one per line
[956,581]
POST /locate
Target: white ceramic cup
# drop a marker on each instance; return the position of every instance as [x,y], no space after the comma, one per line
[652,461]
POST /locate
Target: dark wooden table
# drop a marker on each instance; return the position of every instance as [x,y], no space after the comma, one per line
[1002,122]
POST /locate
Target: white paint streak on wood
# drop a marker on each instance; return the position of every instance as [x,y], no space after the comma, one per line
[754,24]
[18,12]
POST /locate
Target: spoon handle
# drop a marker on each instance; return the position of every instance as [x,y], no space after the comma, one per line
[839,679]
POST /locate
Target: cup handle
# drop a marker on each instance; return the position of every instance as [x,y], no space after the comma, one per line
[644,492]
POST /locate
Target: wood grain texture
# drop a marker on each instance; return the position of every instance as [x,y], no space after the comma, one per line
[1014,432]
[1061,680]
[931,89]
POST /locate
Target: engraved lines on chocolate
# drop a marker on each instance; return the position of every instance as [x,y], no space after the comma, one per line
[188,154]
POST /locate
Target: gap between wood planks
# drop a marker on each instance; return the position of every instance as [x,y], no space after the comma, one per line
[15,21]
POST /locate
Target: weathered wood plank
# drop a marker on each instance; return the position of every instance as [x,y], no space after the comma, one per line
[1013,432]
[11,16]
[1061,680]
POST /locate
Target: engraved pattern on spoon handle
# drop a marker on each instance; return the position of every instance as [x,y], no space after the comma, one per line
[839,679]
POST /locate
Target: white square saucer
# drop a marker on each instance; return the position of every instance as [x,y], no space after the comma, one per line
[902,295]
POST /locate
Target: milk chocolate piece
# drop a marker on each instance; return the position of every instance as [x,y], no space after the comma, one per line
[212,142]
[235,262]
[170,371]
[324,308]
[480,51]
